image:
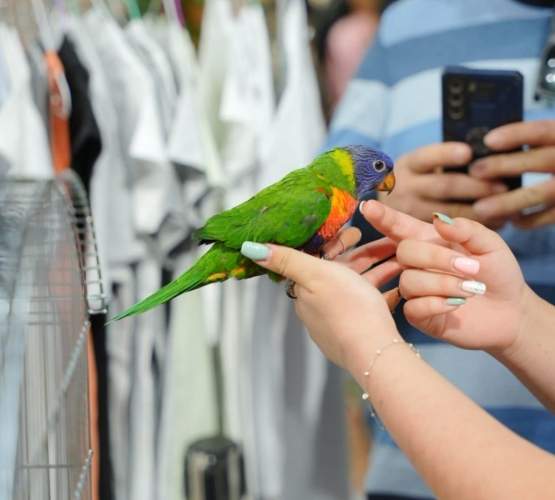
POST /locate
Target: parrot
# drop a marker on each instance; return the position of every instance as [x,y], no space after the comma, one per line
[303,210]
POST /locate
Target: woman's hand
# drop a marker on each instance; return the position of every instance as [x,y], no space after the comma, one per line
[540,136]
[461,281]
[342,310]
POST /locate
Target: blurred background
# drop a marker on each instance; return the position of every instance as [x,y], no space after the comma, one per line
[159,113]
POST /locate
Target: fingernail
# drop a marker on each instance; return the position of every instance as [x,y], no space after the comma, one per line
[361,206]
[499,188]
[483,208]
[478,168]
[460,153]
[455,301]
[466,265]
[443,218]
[475,287]
[493,139]
[255,251]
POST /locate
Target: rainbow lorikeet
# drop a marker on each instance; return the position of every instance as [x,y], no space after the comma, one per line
[303,210]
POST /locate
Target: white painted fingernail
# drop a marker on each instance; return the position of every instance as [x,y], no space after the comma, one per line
[361,205]
[475,287]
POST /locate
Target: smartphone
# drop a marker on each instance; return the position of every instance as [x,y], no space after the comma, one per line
[475,101]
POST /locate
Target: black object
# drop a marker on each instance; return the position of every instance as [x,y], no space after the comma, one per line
[475,101]
[214,470]
[86,143]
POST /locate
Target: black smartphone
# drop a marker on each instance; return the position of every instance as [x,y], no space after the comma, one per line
[475,101]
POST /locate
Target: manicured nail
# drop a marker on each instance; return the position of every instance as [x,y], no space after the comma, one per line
[443,218]
[455,301]
[466,265]
[255,251]
[475,287]
[361,206]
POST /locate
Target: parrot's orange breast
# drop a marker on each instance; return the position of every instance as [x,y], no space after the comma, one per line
[343,206]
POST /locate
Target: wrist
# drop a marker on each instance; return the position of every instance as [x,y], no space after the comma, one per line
[358,354]
[532,310]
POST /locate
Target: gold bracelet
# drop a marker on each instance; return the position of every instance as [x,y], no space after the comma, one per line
[379,352]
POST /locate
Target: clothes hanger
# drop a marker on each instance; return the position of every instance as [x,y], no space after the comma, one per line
[133,9]
[46,36]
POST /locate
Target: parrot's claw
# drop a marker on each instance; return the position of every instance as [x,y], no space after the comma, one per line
[290,289]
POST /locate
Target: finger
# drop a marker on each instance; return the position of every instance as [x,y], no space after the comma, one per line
[511,203]
[392,298]
[367,255]
[539,219]
[426,255]
[455,187]
[418,283]
[533,133]
[347,238]
[384,272]
[427,313]
[293,264]
[428,158]
[394,224]
[471,235]
[513,164]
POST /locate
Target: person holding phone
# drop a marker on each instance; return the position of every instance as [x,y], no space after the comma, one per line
[394,103]
[460,450]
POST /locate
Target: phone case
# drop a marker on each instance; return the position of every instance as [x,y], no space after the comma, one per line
[474,101]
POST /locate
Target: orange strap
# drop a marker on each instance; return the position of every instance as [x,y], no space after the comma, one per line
[59,119]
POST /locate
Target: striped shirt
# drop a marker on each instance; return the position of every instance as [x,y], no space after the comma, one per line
[394,103]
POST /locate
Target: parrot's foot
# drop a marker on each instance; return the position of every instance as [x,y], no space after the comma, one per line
[290,289]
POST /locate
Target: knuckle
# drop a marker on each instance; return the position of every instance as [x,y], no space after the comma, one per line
[283,263]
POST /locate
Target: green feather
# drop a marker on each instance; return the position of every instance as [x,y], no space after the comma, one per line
[288,212]
[218,264]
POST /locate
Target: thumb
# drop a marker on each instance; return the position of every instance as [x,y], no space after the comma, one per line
[288,262]
[471,235]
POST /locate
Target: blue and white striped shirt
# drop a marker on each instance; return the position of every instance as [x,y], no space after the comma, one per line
[394,103]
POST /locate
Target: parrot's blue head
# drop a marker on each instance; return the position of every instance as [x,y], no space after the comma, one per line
[373,171]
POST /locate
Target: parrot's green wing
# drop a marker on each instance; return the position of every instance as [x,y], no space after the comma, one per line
[288,212]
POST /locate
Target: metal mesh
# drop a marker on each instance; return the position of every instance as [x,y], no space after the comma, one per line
[46,241]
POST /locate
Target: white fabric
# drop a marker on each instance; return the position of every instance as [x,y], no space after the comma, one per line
[23,142]
[189,389]
[288,408]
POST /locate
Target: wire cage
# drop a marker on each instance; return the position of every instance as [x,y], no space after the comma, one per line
[47,259]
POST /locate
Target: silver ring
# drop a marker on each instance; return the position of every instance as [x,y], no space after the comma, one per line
[290,290]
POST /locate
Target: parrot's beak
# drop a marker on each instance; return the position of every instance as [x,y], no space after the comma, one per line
[387,184]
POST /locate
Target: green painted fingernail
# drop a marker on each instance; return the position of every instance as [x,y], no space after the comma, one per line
[456,301]
[255,251]
[443,218]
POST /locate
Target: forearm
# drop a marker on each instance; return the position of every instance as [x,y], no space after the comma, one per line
[532,357]
[459,449]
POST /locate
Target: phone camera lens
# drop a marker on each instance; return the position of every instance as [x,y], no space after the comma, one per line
[456,86]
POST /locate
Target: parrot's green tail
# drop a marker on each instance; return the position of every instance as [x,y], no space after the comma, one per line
[218,264]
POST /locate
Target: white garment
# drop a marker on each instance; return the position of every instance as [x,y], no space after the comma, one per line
[289,398]
[189,390]
[23,142]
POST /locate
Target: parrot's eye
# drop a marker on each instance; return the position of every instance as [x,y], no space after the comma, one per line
[379,165]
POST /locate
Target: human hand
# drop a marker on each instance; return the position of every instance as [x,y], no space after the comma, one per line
[540,135]
[440,260]
[342,310]
[420,190]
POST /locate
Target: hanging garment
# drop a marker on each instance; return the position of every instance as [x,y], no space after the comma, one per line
[297,403]
[58,112]
[23,142]
[39,81]
[86,143]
